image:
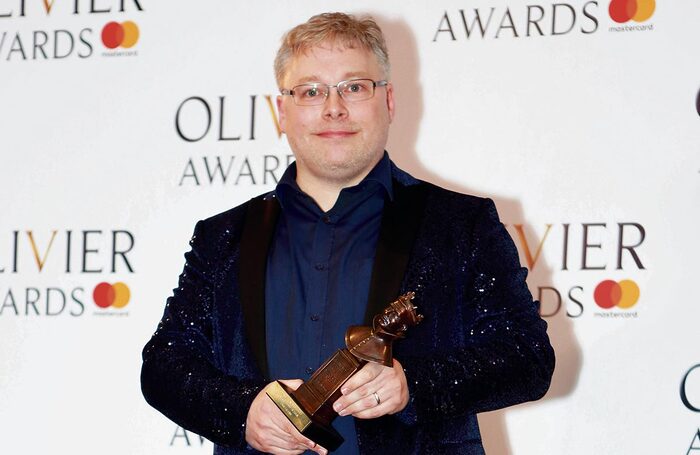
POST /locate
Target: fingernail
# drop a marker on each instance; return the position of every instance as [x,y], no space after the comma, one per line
[336,407]
[344,390]
[343,412]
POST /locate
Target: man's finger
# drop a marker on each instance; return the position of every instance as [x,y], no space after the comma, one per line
[362,403]
[365,375]
[271,432]
[360,393]
[289,430]
[287,443]
[363,383]
[285,436]
[298,437]
[373,412]
[282,451]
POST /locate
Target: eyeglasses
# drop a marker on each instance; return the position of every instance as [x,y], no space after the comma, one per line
[316,93]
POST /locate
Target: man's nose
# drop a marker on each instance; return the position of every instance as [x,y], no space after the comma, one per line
[334,107]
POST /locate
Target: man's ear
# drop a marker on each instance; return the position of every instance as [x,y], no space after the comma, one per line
[390,101]
[281,115]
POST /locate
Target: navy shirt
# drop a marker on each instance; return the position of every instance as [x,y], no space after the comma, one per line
[318,275]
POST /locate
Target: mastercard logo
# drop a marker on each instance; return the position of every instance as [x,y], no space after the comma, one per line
[623,294]
[115,34]
[637,10]
[115,295]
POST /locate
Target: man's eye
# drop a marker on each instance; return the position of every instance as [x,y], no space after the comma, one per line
[354,88]
[311,92]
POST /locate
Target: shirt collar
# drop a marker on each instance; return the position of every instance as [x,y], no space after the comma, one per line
[380,173]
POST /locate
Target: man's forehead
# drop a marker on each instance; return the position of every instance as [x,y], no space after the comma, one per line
[308,66]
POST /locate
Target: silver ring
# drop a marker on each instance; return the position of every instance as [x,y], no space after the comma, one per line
[376,398]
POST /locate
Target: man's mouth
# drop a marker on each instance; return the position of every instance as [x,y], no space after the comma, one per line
[335,134]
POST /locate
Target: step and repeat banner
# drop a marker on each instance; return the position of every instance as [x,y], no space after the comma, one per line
[123,122]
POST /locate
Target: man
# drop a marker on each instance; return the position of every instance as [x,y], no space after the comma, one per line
[269,287]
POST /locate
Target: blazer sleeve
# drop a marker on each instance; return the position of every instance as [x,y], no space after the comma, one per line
[179,376]
[506,357]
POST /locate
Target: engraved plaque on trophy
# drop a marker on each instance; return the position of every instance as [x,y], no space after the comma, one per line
[310,407]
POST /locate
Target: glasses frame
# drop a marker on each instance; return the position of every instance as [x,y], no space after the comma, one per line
[375,84]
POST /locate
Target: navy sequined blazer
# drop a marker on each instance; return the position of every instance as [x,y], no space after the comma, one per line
[481,346]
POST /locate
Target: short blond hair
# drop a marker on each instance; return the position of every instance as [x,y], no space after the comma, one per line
[337,28]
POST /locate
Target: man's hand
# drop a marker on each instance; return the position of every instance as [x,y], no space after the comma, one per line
[374,382]
[268,430]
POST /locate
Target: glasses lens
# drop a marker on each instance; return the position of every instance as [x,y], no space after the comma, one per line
[357,90]
[310,94]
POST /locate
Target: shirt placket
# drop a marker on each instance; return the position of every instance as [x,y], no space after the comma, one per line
[318,291]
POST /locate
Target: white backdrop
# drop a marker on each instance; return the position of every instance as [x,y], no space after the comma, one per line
[579,123]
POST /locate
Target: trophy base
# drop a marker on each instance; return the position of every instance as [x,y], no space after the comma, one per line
[324,435]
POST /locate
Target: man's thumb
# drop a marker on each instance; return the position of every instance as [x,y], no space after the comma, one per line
[292,383]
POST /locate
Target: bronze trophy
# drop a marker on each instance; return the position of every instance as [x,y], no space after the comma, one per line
[310,407]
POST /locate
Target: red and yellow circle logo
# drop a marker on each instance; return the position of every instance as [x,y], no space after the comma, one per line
[637,10]
[623,294]
[115,295]
[115,34]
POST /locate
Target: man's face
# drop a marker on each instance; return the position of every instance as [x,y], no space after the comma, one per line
[339,141]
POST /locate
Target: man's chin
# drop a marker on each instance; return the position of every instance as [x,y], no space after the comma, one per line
[344,173]
[342,165]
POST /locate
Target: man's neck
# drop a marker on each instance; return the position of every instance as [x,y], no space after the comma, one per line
[324,192]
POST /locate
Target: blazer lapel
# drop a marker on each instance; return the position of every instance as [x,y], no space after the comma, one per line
[256,237]
[400,223]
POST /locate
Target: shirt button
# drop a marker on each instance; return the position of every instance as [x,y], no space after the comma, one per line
[314,317]
[320,266]
[326,219]
[309,370]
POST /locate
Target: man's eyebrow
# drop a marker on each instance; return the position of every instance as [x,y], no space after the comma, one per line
[307,79]
[356,74]
[346,76]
